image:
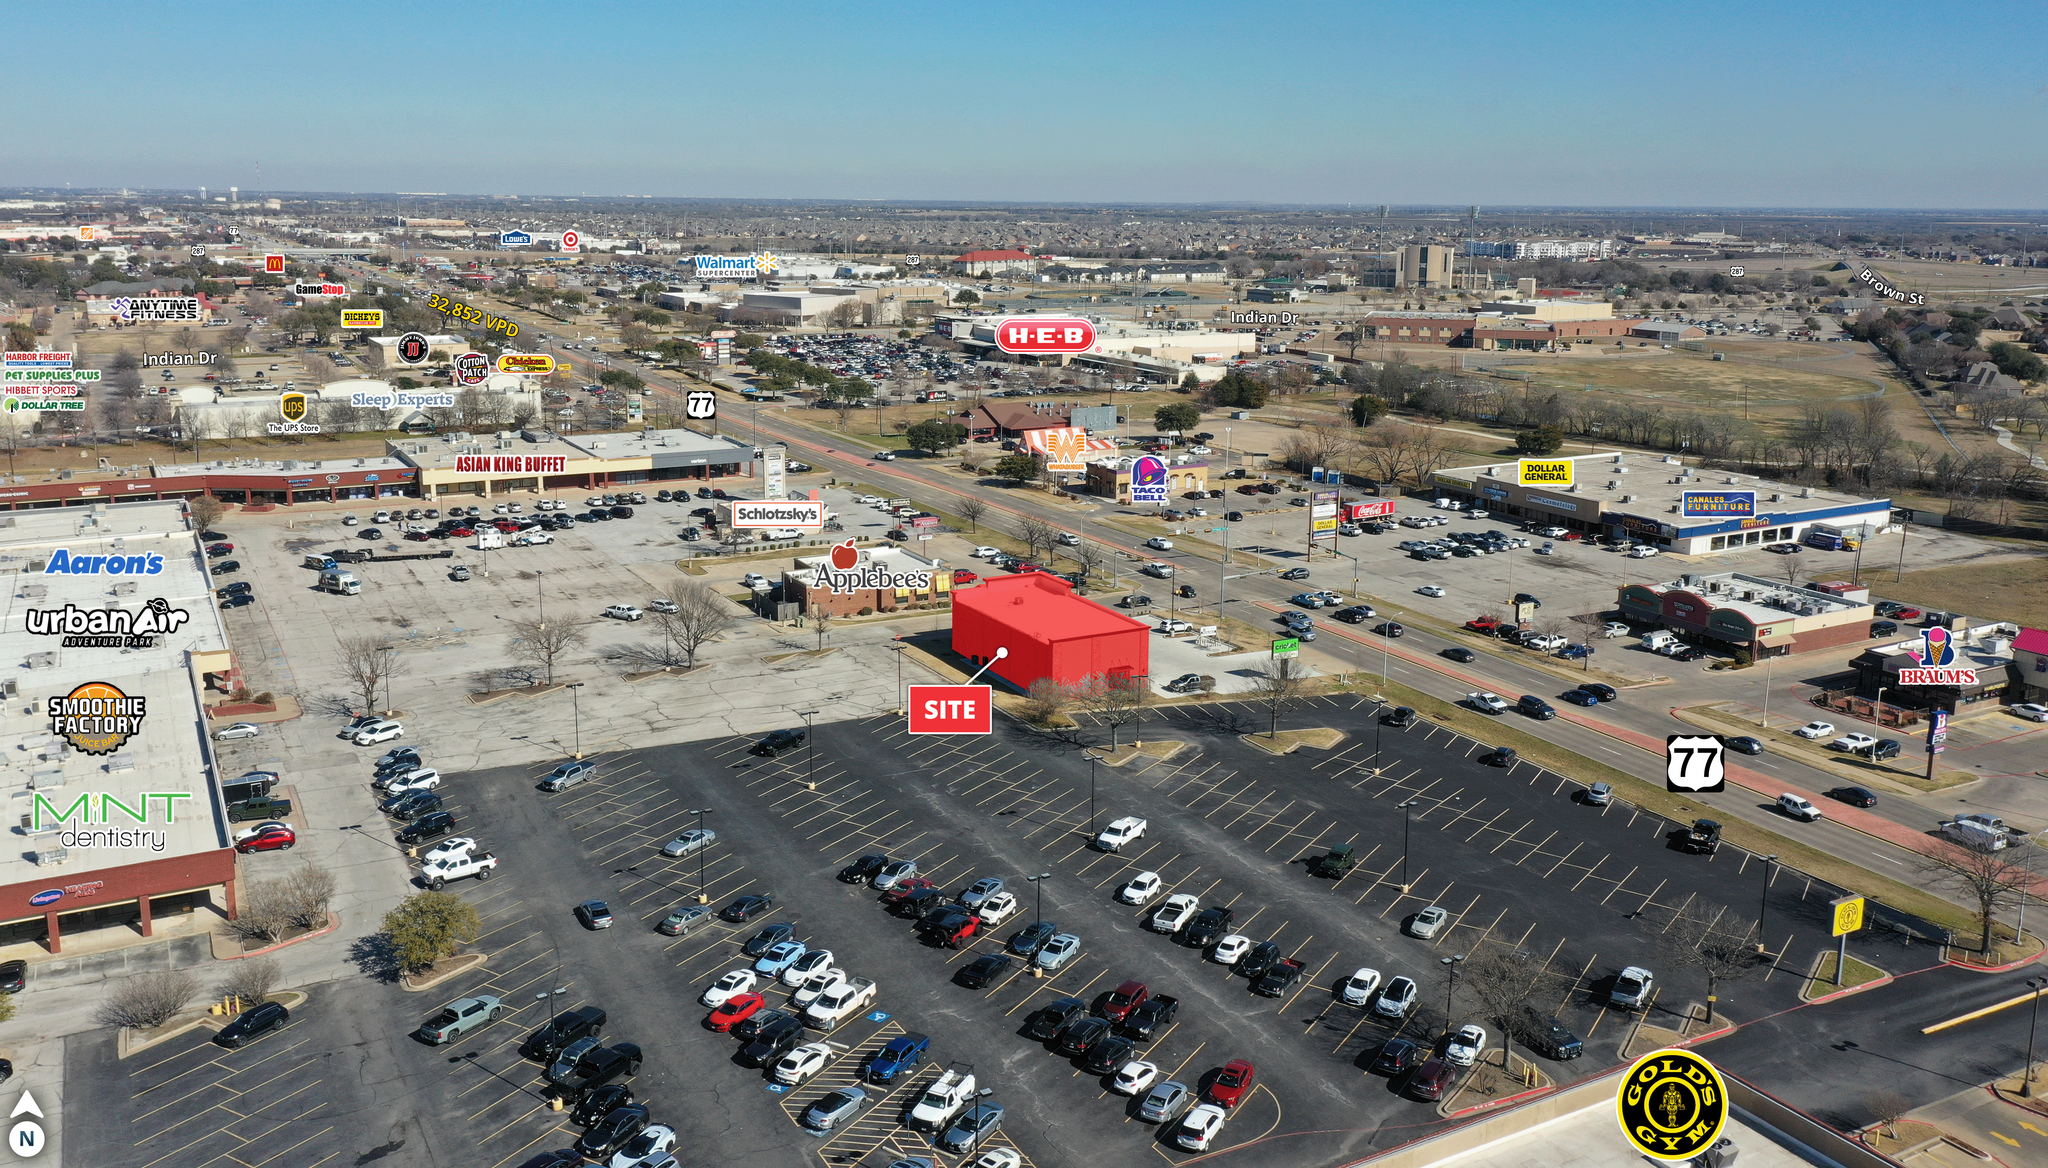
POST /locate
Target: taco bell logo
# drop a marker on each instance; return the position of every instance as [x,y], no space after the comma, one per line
[1936,654]
[1148,480]
[845,574]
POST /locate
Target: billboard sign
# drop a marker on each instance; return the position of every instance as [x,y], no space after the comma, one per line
[778,513]
[1287,647]
[1717,504]
[950,709]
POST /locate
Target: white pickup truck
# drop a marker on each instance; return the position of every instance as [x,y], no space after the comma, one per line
[439,872]
[941,1101]
[1986,833]
[1487,703]
[1120,832]
[840,1003]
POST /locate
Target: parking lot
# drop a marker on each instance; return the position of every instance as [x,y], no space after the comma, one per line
[1509,853]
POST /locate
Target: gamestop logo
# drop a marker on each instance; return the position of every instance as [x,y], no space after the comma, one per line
[845,574]
[950,709]
[778,513]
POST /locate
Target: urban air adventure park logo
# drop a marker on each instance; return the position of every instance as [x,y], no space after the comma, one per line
[108,628]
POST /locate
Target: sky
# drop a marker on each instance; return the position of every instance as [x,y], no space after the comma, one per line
[1731,104]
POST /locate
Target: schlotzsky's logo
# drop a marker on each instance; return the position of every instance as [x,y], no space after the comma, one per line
[97,718]
[1937,653]
[66,562]
[108,628]
[778,513]
[845,574]
[75,827]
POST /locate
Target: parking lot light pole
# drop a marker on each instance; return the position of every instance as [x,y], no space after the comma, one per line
[1092,760]
[548,996]
[700,813]
[576,706]
[2036,984]
[1764,902]
[984,1093]
[1451,963]
[542,597]
[810,751]
[1404,841]
[1040,880]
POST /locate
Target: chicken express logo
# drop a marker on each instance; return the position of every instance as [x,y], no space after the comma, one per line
[1672,1105]
[97,718]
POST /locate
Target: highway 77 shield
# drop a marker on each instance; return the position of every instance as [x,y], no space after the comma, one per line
[1695,762]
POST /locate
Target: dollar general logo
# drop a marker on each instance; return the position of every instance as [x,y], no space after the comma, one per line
[1672,1105]
[96,718]
[1546,473]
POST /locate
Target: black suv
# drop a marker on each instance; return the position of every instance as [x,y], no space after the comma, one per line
[261,1020]
[1550,1036]
[1048,1022]
[1536,707]
[1400,717]
[603,1065]
[431,826]
[1208,925]
[777,742]
[561,1030]
[1080,1036]
[1258,959]
[862,869]
[773,1041]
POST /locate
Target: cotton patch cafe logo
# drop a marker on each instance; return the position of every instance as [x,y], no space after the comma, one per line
[1672,1105]
[97,718]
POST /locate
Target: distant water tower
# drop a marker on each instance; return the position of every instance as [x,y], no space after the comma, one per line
[202,194]
[234,195]
[1472,213]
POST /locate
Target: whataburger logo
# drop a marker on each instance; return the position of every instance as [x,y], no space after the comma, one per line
[1064,446]
[844,573]
[108,628]
[97,718]
[1936,654]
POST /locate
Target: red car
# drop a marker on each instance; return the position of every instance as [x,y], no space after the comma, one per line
[1122,1000]
[269,839]
[963,933]
[418,536]
[1902,614]
[1231,1084]
[737,1009]
[903,889]
[963,576]
[462,532]
[509,527]
[221,549]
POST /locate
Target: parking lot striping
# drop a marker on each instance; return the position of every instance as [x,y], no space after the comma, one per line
[521,1150]
[1269,819]
[1511,837]
[1648,900]
[1229,800]
[1464,813]
[1774,966]
[1532,851]
[1291,832]
[1571,990]
[1618,885]
[1591,870]
[1307,980]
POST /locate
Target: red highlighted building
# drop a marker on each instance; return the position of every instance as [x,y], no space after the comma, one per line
[1048,630]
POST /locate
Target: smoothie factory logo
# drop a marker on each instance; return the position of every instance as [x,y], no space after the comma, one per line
[75,828]
[97,718]
[844,573]
[1934,657]
[1148,480]
[66,562]
[1672,1105]
[154,309]
[293,407]
[108,628]
[735,267]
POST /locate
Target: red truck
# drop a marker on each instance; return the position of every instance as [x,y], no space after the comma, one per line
[1483,624]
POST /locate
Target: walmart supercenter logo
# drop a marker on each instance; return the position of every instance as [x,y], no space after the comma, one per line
[1936,655]
[737,267]
[845,574]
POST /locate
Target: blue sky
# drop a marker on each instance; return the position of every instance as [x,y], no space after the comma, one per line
[1730,104]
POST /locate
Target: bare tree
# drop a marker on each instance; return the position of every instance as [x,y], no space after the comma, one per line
[147,999]
[252,978]
[543,645]
[1503,980]
[972,509]
[1279,685]
[820,620]
[1114,699]
[1087,558]
[1036,534]
[1045,699]
[1987,878]
[266,912]
[1887,1108]
[307,893]
[368,663]
[701,614]
[1704,936]
[205,511]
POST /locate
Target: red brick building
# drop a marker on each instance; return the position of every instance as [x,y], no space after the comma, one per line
[1048,631]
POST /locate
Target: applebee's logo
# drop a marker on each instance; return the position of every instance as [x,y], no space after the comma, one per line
[1936,653]
[844,573]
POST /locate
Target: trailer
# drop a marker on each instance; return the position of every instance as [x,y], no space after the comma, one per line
[366,556]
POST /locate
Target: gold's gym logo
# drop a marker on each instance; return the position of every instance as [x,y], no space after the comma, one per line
[1672,1104]
[97,718]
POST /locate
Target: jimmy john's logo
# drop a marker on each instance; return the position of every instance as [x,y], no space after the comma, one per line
[108,628]
[96,718]
[1673,1105]
[293,407]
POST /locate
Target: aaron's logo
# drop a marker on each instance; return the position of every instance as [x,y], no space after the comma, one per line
[292,406]
[1672,1105]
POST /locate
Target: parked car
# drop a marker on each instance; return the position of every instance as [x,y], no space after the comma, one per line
[1815,730]
[1854,796]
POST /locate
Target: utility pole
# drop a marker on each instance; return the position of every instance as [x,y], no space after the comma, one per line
[810,751]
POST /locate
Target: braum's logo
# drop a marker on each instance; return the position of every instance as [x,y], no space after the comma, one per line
[292,406]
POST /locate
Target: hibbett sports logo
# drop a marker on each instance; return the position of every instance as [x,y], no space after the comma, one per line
[844,572]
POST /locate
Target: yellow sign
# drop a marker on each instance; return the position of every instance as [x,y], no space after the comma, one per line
[362,318]
[1672,1105]
[1546,472]
[539,363]
[1848,915]
[292,406]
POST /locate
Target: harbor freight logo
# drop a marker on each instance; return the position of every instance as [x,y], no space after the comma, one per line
[108,628]
[66,562]
[778,513]
[845,574]
[97,718]
[1672,1105]
[1934,657]
[734,267]
[156,309]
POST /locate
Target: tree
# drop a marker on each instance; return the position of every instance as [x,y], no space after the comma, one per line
[1044,700]
[933,435]
[1543,440]
[21,336]
[1367,408]
[972,509]
[620,379]
[1887,1108]
[2014,361]
[1279,685]
[205,511]
[1178,417]
[1037,534]
[1986,878]
[252,978]
[1698,937]
[427,926]
[1503,980]
[701,614]
[1114,699]
[368,663]
[542,644]
[1240,390]
[967,296]
[147,1000]
[1087,558]
[1018,468]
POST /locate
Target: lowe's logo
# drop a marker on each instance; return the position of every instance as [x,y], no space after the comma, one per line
[63,562]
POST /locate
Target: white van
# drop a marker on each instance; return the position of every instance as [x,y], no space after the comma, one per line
[1641,551]
[1657,640]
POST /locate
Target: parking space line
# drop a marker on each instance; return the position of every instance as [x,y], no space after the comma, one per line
[1532,851]
[1306,981]
[1591,870]
[1511,837]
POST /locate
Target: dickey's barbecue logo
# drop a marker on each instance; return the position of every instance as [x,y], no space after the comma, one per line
[97,718]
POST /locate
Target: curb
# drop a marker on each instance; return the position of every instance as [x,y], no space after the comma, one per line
[2006,968]
[333,923]
[1474,1110]
[1887,979]
[458,966]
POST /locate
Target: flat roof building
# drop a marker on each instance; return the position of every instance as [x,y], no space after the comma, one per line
[1768,618]
[1658,500]
[1049,632]
[539,460]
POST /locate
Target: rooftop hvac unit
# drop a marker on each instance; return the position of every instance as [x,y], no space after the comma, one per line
[35,591]
[1673,508]
[1628,498]
[1618,458]
[1806,492]
[1671,459]
[49,852]
[1620,470]
[504,444]
[1749,594]
[1775,498]
[124,588]
[42,660]
[64,474]
[1730,480]
[1493,472]
[1613,484]
[362,462]
[288,464]
[597,445]
[120,545]
[313,465]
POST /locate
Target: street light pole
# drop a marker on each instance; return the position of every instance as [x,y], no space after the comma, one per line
[810,751]
[1764,901]
[1092,760]
[390,662]
[2036,984]
[1040,880]
[542,597]
[1404,841]
[576,704]
[700,813]
[1452,964]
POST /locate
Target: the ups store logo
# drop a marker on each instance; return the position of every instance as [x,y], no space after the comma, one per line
[292,406]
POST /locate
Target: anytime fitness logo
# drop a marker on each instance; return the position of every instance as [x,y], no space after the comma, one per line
[845,574]
[1936,653]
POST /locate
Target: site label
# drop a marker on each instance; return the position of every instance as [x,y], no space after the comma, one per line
[950,709]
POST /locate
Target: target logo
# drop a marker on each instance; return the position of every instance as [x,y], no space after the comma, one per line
[571,241]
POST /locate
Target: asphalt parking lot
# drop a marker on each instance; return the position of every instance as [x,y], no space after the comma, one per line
[1227,825]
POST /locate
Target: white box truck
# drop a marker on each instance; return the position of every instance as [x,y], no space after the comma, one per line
[490,537]
[340,581]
